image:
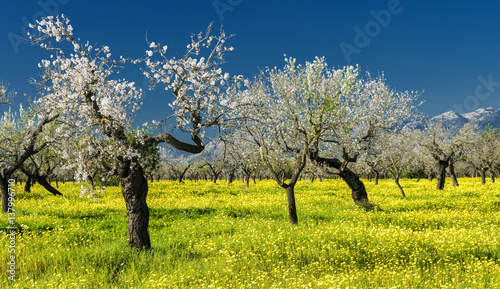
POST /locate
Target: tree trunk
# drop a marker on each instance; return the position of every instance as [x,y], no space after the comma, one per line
[247,180]
[441,174]
[4,188]
[42,180]
[358,190]
[482,172]
[292,210]
[376,177]
[396,180]
[27,185]
[92,184]
[453,175]
[492,175]
[135,189]
[429,177]
[231,177]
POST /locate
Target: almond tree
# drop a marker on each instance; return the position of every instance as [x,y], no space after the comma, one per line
[445,146]
[6,96]
[302,112]
[396,150]
[484,153]
[177,167]
[245,156]
[80,81]
[21,137]
[371,164]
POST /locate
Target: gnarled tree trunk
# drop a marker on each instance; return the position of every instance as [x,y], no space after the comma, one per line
[453,175]
[42,180]
[135,189]
[358,190]
[441,173]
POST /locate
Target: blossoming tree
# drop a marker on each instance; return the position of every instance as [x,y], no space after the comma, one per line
[445,147]
[314,112]
[5,96]
[21,137]
[81,82]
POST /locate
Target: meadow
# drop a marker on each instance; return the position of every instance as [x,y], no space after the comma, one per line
[207,235]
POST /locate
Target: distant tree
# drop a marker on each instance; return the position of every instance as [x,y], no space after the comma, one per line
[214,158]
[245,155]
[484,153]
[396,150]
[177,167]
[445,146]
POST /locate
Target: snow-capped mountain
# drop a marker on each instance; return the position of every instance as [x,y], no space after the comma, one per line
[455,121]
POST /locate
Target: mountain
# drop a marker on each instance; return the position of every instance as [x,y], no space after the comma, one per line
[455,121]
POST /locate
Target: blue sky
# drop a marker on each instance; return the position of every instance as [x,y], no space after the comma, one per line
[450,50]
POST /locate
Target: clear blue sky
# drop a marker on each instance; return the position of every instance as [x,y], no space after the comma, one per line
[448,49]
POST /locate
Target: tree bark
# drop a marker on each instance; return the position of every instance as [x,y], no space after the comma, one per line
[396,180]
[247,180]
[231,177]
[482,172]
[92,184]
[135,189]
[492,175]
[358,190]
[27,185]
[453,175]
[4,188]
[42,180]
[441,174]
[376,177]
[292,210]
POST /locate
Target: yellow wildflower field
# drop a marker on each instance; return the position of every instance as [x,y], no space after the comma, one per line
[207,235]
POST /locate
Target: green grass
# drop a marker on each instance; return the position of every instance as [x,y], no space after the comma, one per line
[207,235]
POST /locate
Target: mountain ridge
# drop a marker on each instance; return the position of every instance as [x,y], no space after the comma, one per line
[455,121]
